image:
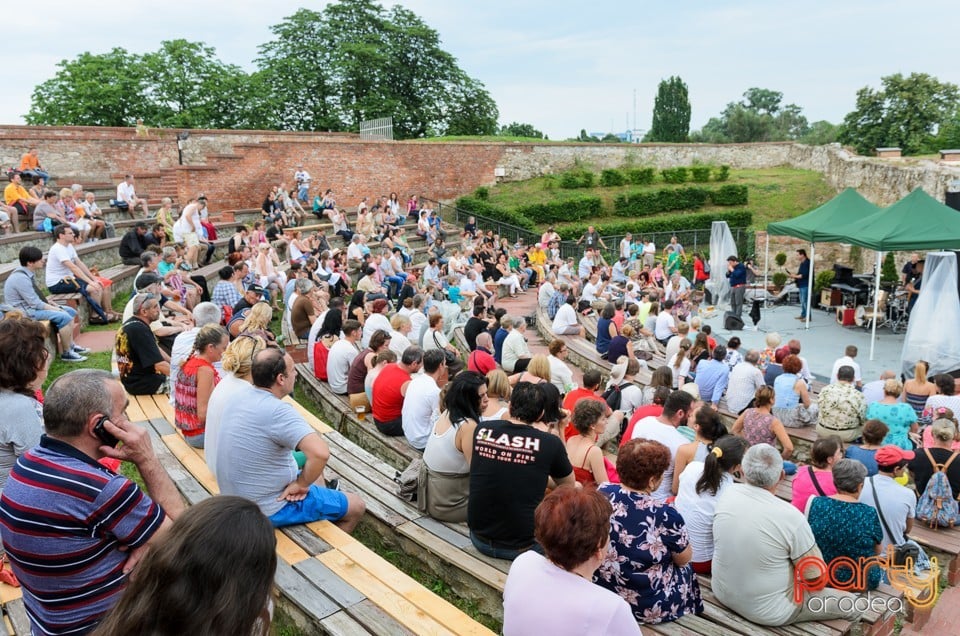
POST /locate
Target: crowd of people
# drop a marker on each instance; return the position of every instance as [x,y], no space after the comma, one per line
[619,495]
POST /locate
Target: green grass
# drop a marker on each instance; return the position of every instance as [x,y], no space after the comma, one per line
[775,193]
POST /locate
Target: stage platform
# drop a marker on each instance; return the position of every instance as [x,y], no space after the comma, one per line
[822,344]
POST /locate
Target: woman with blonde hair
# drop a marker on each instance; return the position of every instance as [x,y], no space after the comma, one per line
[768,355]
[237,362]
[498,395]
[257,323]
[537,371]
[917,389]
[165,216]
[680,363]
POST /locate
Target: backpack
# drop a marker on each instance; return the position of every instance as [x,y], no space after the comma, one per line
[937,505]
[320,354]
[614,395]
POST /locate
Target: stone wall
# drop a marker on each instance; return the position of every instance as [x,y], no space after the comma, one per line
[235,168]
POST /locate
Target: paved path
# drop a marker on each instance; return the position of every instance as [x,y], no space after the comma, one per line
[945,618]
[526,305]
[97,340]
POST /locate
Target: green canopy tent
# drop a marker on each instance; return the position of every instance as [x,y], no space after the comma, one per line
[847,210]
[915,222]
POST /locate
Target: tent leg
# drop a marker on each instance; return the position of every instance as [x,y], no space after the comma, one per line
[810,287]
[876,305]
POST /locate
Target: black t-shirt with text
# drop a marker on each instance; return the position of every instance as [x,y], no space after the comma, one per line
[508,478]
[137,352]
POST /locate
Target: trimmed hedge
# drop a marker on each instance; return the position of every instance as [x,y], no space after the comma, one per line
[577,179]
[729,195]
[644,203]
[666,223]
[723,173]
[573,209]
[700,174]
[680,174]
[640,176]
[476,206]
[612,178]
[482,193]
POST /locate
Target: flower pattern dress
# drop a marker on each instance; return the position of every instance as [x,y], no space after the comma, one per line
[639,565]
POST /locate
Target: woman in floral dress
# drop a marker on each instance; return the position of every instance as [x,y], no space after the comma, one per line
[649,555]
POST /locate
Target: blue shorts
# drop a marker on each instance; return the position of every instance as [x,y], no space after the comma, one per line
[321,504]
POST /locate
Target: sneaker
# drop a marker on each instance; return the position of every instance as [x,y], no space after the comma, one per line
[81,350]
[333,484]
[71,356]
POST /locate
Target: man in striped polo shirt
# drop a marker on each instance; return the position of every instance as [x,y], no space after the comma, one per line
[73,530]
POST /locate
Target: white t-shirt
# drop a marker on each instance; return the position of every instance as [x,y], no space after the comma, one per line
[683,371]
[630,398]
[664,323]
[757,538]
[226,392]
[898,504]
[125,191]
[428,340]
[652,428]
[374,322]
[673,345]
[339,360]
[624,248]
[560,375]
[312,336]
[566,317]
[514,348]
[546,292]
[845,361]
[590,292]
[419,402]
[354,252]
[541,598]
[698,510]
[58,255]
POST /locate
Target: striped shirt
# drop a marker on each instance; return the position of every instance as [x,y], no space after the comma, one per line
[63,519]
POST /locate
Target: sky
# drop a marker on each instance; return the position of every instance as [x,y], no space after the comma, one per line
[563,65]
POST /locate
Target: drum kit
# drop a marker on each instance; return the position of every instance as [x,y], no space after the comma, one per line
[891,312]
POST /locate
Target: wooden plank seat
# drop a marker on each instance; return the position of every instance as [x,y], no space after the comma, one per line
[336,408]
[640,342]
[330,581]
[450,544]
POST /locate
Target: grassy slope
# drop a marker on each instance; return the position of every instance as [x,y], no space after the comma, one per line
[775,193]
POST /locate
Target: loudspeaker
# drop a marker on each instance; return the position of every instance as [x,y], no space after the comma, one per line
[731,322]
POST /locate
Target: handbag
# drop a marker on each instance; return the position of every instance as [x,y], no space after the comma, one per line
[903,550]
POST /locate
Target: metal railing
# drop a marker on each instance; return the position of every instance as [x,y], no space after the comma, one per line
[692,240]
[377,129]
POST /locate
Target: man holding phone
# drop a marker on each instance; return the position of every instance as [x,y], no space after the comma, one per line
[74,529]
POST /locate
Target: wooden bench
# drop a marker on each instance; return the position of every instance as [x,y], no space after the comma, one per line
[447,549]
[329,580]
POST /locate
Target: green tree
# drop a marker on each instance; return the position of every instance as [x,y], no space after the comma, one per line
[671,112]
[516,129]
[92,90]
[355,61]
[759,116]
[820,133]
[188,87]
[906,112]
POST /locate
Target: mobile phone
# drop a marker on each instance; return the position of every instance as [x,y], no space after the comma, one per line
[103,434]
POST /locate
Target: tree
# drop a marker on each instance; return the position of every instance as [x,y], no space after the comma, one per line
[92,90]
[516,129]
[358,61]
[906,112]
[820,133]
[759,116]
[188,87]
[671,112]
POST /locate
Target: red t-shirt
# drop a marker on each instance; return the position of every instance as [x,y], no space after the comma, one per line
[650,410]
[570,402]
[387,399]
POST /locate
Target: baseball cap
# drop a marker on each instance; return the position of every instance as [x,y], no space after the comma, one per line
[147,279]
[253,287]
[890,456]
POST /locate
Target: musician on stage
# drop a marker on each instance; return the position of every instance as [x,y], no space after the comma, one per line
[913,286]
[909,268]
[803,282]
